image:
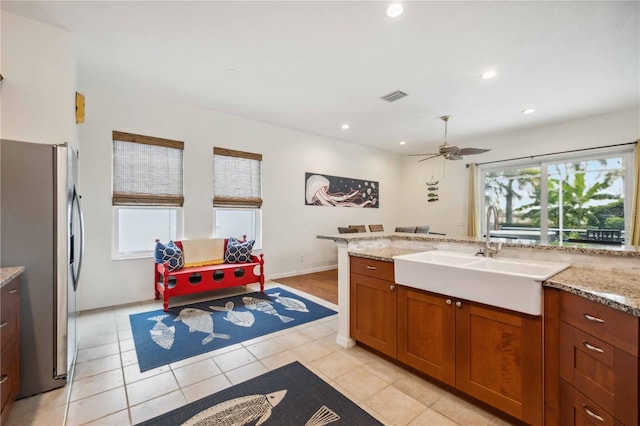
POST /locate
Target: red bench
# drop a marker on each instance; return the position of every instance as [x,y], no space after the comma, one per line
[205,278]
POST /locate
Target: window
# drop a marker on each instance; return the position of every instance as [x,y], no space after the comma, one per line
[585,199]
[237,194]
[147,192]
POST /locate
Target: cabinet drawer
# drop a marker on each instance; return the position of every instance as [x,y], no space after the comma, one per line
[610,325]
[577,409]
[9,312]
[605,375]
[372,268]
[9,373]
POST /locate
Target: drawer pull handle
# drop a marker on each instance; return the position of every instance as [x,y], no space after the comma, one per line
[372,268]
[4,324]
[592,414]
[13,290]
[4,378]
[592,318]
[592,348]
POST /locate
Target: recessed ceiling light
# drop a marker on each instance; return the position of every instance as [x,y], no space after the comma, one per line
[394,10]
[345,126]
[528,111]
[403,143]
[487,75]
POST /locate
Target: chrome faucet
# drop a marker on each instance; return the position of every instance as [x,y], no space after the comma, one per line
[489,250]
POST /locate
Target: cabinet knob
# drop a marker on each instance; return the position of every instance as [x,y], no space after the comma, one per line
[392,287]
[592,318]
[459,304]
[13,290]
[448,301]
[592,414]
[373,268]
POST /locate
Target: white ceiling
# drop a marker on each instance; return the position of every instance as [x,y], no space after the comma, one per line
[313,65]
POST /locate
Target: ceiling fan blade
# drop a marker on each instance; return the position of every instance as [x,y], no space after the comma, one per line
[429,158]
[422,155]
[471,151]
[454,157]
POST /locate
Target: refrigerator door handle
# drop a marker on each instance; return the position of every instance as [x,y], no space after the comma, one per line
[76,274]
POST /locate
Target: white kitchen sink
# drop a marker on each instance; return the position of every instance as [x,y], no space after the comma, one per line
[507,283]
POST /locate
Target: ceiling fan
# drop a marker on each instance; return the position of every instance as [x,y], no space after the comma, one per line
[450,152]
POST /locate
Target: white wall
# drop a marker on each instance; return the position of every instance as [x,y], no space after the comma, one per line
[289,227]
[449,214]
[38,90]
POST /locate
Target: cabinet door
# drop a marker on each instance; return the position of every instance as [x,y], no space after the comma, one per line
[426,333]
[499,359]
[373,313]
[578,410]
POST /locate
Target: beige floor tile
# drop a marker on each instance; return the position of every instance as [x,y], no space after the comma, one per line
[96,330]
[362,354]
[361,383]
[234,359]
[127,345]
[314,350]
[192,373]
[96,406]
[97,340]
[316,331]
[206,387]
[28,406]
[279,360]
[96,366]
[246,372]
[395,405]
[121,418]
[292,339]
[125,334]
[336,364]
[461,411]
[152,387]
[157,406]
[265,348]
[96,352]
[41,417]
[431,417]
[132,372]
[386,370]
[191,360]
[129,358]
[422,390]
[92,385]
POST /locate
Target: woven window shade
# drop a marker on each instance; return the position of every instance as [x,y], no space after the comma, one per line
[146,170]
[237,178]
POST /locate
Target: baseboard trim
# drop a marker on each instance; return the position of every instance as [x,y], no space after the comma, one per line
[301,272]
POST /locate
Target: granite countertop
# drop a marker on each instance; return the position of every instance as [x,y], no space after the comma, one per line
[7,274]
[619,290]
[384,254]
[578,248]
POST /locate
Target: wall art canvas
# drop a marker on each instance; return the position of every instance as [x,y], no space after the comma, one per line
[336,191]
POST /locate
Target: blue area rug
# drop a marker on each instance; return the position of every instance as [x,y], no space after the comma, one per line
[288,396]
[184,331]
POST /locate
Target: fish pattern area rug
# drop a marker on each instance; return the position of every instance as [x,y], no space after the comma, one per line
[162,337]
[288,396]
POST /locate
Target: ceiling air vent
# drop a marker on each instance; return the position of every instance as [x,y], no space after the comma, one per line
[394,96]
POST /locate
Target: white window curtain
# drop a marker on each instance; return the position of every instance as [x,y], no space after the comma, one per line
[237,178]
[147,170]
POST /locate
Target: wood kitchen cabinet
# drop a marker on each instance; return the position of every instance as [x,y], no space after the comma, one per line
[373,304]
[489,353]
[598,363]
[10,347]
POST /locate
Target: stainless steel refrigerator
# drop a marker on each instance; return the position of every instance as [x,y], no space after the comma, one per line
[42,230]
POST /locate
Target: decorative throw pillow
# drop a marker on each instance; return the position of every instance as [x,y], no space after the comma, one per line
[169,254]
[238,251]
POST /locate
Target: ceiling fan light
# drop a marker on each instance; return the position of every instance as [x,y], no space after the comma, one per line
[487,75]
[403,143]
[528,111]
[345,126]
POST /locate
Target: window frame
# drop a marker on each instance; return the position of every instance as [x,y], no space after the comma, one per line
[257,229]
[626,153]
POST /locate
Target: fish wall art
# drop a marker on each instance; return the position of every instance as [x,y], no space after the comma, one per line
[336,191]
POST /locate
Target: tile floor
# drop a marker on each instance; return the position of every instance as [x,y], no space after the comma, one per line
[108,388]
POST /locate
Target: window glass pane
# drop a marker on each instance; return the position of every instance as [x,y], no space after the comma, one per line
[138,228]
[586,199]
[236,223]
